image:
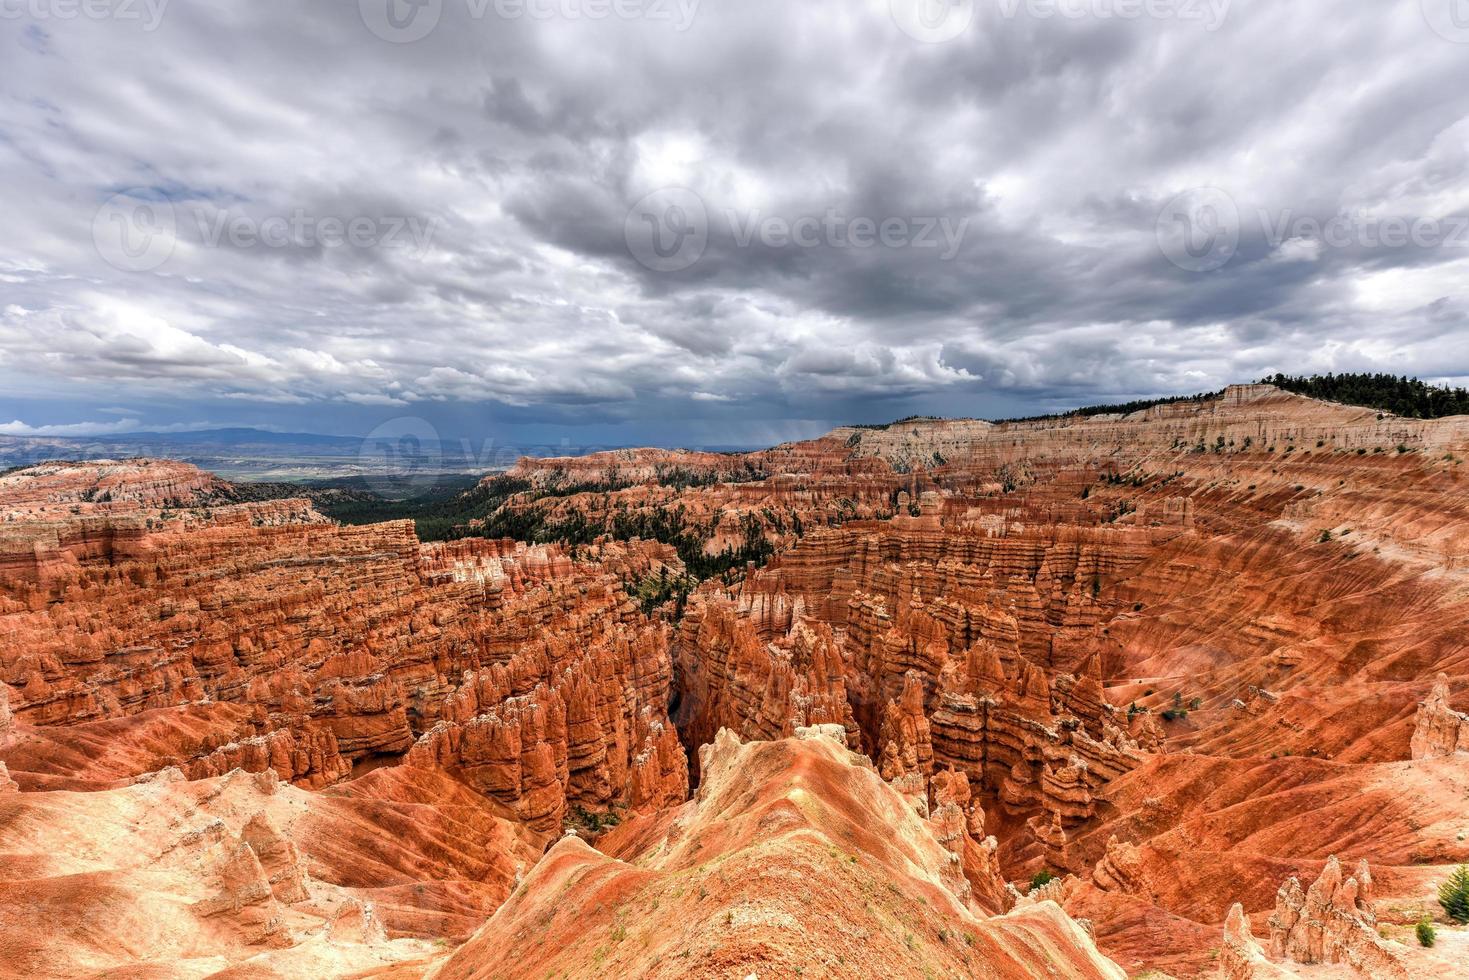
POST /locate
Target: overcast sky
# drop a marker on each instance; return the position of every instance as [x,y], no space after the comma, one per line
[726,222]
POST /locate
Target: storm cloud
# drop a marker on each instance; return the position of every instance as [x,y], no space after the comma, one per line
[727,220]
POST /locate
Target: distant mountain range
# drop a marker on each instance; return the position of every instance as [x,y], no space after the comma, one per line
[234,453]
[246,454]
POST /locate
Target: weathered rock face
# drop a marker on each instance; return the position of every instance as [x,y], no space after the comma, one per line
[279,859]
[1440,731]
[1241,958]
[958,824]
[311,758]
[349,644]
[60,490]
[182,877]
[1172,658]
[794,858]
[1077,597]
[729,677]
[598,738]
[1333,922]
[931,643]
[634,466]
[148,626]
[1262,414]
[7,720]
[905,737]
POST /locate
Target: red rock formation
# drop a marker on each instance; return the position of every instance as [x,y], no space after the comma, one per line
[279,859]
[349,644]
[1332,922]
[793,859]
[728,678]
[310,758]
[1440,731]
[1176,656]
[7,720]
[53,490]
[1241,958]
[182,876]
[907,745]
[958,824]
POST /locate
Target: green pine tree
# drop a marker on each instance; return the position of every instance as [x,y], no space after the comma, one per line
[1453,895]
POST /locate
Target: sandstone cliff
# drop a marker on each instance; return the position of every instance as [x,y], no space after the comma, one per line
[348,645]
[1173,659]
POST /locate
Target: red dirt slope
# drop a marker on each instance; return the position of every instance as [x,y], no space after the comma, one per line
[794,859]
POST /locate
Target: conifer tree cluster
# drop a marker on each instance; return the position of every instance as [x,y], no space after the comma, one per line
[1408,397]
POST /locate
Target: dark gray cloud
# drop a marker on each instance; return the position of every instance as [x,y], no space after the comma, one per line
[361,228]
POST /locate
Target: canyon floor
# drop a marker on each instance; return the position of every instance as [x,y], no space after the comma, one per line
[1179,693]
